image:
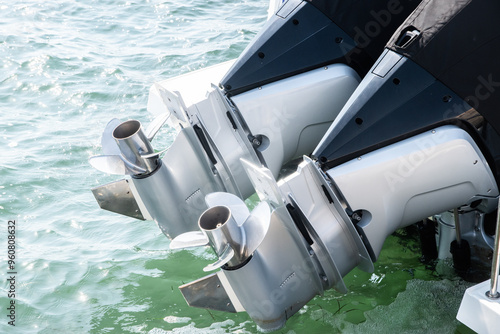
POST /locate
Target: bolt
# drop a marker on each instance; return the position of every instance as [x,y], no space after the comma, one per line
[356,217]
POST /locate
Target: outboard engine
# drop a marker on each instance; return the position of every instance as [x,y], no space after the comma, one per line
[425,79]
[418,137]
[273,104]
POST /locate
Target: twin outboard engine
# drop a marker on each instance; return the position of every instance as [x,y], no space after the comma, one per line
[272,105]
[417,137]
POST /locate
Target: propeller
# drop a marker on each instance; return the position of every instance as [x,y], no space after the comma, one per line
[108,143]
[115,164]
[189,239]
[127,148]
[229,228]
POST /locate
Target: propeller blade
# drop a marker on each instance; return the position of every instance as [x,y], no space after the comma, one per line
[155,125]
[256,227]
[188,240]
[224,258]
[111,164]
[155,154]
[238,208]
[108,143]
[114,164]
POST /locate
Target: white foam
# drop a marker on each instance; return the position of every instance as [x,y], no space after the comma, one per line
[176,320]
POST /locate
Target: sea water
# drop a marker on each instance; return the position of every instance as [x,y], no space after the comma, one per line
[67,68]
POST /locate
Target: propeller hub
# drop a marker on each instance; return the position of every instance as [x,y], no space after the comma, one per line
[222,230]
[134,144]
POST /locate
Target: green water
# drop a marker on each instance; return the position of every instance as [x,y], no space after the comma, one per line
[67,68]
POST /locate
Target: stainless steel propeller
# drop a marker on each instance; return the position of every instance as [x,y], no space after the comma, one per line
[229,228]
[127,148]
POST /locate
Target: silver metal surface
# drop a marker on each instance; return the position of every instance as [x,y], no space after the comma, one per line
[117,197]
[271,270]
[127,150]
[263,182]
[330,227]
[229,144]
[108,143]
[366,263]
[239,209]
[415,178]
[114,164]
[328,266]
[281,112]
[243,234]
[175,193]
[134,144]
[256,226]
[495,262]
[222,231]
[174,103]
[155,154]
[207,292]
[189,239]
[231,230]
[225,257]
[280,277]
